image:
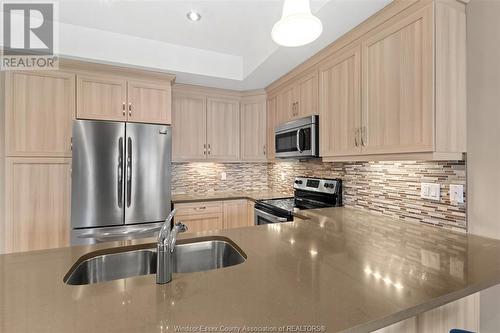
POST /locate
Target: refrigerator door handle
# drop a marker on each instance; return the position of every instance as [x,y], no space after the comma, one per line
[120,173]
[129,171]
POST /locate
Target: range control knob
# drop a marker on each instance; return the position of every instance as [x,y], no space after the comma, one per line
[299,182]
[329,185]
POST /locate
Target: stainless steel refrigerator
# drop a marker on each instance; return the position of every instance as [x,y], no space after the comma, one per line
[120,180]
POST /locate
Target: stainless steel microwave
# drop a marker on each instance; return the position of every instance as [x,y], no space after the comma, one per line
[298,138]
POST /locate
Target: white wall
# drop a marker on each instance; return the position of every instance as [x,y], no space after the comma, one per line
[483,133]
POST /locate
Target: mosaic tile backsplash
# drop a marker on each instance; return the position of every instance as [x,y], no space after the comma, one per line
[206,177]
[388,188]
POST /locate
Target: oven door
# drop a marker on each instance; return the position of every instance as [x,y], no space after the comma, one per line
[262,217]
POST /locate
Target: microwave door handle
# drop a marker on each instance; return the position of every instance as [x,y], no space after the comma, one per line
[298,140]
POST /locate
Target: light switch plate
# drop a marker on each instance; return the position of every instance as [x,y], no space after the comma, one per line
[430,191]
[223,176]
[457,194]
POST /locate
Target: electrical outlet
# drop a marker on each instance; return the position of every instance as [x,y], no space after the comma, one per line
[282,176]
[430,191]
[457,194]
[223,176]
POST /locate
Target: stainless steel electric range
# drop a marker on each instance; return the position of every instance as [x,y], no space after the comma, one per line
[309,193]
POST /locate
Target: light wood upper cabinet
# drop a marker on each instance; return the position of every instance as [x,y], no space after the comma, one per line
[101,97]
[398,85]
[286,104]
[235,214]
[253,130]
[40,107]
[189,126]
[392,89]
[38,203]
[307,101]
[105,97]
[223,129]
[149,102]
[340,103]
[271,123]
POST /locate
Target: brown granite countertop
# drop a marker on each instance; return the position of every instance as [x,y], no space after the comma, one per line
[214,196]
[345,269]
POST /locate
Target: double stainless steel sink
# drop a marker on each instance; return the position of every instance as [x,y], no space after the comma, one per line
[194,255]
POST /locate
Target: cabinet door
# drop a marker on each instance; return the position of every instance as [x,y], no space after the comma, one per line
[253,131]
[398,86]
[201,222]
[101,97]
[149,102]
[38,203]
[39,109]
[307,102]
[235,214]
[251,212]
[189,125]
[271,123]
[340,104]
[285,106]
[223,129]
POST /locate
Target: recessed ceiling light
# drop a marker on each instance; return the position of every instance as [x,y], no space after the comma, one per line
[193,16]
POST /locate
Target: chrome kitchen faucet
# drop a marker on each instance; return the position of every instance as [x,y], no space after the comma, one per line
[165,248]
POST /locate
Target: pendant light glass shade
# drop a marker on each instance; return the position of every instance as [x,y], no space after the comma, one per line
[297,26]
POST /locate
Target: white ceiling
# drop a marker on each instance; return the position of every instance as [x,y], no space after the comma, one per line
[231,47]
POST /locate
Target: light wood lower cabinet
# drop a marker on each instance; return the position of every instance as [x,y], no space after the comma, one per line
[235,214]
[200,216]
[215,215]
[37,203]
[40,107]
[202,222]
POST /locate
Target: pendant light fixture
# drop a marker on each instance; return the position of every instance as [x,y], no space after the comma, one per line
[297,26]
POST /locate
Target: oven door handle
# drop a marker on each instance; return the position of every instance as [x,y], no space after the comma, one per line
[270,216]
[298,140]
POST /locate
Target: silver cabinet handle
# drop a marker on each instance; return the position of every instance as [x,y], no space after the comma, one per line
[298,140]
[264,149]
[130,109]
[129,171]
[209,149]
[123,108]
[205,149]
[120,173]
[200,208]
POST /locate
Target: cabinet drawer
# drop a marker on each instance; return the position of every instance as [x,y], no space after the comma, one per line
[193,208]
